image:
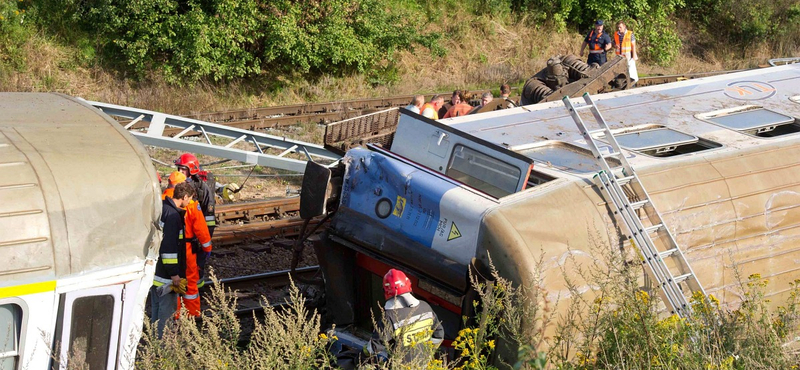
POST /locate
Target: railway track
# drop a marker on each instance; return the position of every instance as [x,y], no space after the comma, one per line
[259,220]
[273,285]
[265,210]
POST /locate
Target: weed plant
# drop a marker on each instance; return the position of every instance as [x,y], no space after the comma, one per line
[620,324]
[624,325]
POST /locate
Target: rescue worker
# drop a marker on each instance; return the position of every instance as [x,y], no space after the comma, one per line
[431,109]
[409,321]
[416,103]
[460,105]
[170,268]
[174,179]
[198,241]
[625,44]
[190,166]
[599,42]
[505,92]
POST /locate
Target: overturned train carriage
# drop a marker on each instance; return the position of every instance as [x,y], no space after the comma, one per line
[79,207]
[719,156]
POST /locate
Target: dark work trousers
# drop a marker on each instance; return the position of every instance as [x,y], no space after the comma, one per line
[599,58]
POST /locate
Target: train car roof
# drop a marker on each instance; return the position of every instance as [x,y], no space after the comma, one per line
[692,110]
[79,194]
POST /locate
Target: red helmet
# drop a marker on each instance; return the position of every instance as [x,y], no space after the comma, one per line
[189,161]
[395,283]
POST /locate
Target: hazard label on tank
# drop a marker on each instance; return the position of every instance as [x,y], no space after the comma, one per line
[454,233]
[399,206]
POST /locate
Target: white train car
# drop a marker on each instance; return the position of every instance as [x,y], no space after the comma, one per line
[79,211]
[719,156]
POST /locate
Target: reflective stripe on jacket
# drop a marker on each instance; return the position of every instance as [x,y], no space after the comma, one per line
[171,251]
[625,46]
[413,327]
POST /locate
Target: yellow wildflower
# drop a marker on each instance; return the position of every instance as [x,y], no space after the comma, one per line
[491,344]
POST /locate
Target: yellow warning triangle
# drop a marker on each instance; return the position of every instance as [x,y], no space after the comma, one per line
[454,233]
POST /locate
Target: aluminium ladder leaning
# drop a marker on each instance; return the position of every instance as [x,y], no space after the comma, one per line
[653,239]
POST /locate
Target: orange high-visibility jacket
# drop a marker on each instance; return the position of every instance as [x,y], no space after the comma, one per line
[625,46]
[196,226]
[435,111]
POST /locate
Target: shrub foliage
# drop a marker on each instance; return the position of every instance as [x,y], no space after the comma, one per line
[223,40]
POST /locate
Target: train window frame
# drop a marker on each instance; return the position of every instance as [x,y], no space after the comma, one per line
[67,316]
[681,143]
[494,190]
[562,156]
[19,346]
[790,126]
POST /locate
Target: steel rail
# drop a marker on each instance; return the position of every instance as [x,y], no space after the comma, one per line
[234,234]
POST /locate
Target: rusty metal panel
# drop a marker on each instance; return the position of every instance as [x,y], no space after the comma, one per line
[375,128]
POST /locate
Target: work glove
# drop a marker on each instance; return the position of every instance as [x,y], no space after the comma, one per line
[180,288]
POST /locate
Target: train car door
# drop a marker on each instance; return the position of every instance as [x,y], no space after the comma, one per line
[90,326]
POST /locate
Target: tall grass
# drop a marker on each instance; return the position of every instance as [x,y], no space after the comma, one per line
[621,325]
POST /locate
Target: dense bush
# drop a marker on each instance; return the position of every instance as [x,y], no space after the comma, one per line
[738,24]
[228,39]
[224,40]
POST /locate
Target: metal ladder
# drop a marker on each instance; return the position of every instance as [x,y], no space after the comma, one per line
[651,236]
[268,150]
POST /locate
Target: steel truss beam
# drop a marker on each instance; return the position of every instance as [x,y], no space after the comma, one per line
[157,122]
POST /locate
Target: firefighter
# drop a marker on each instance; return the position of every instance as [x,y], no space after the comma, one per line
[190,166]
[409,321]
[198,241]
[170,268]
[175,178]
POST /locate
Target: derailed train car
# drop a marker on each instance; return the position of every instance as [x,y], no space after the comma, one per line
[79,211]
[719,156]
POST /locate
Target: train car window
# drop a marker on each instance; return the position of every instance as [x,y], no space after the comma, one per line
[10,324]
[90,334]
[754,120]
[564,156]
[483,172]
[659,141]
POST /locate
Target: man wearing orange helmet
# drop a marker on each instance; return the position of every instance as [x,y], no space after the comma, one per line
[198,241]
[411,326]
[188,164]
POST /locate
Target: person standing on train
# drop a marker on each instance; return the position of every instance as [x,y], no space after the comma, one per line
[169,280]
[413,329]
[198,240]
[599,42]
[190,166]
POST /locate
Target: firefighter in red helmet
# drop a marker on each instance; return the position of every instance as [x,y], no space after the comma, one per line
[190,166]
[411,327]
